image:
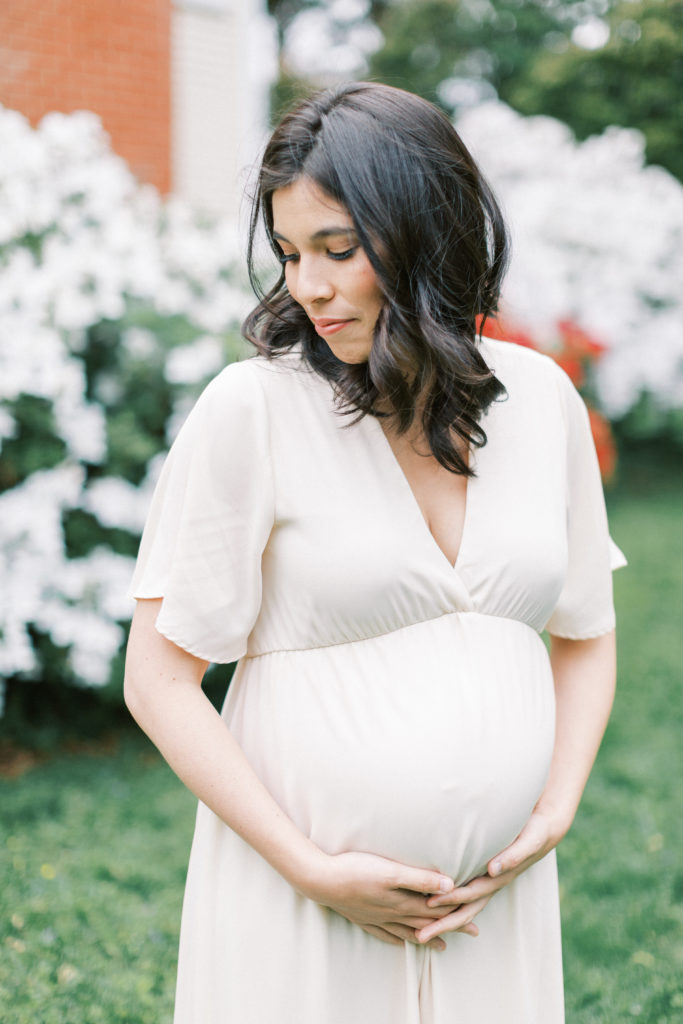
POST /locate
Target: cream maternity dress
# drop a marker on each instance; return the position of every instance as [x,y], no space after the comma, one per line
[390,701]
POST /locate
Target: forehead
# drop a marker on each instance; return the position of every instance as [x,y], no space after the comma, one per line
[302,208]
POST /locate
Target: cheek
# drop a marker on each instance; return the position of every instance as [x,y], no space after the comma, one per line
[290,280]
[368,290]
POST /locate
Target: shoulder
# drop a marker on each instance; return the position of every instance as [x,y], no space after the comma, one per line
[249,377]
[257,388]
[231,401]
[236,384]
[537,387]
[265,373]
[528,372]
[507,357]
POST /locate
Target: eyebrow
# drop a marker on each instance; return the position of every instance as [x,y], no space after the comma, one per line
[323,233]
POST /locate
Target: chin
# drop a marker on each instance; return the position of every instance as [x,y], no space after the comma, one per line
[350,353]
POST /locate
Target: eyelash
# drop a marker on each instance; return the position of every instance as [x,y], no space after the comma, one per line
[347,254]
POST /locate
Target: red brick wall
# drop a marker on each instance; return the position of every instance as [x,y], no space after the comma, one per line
[110,56]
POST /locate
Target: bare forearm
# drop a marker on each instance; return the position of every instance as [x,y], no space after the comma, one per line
[585,674]
[163,692]
[164,695]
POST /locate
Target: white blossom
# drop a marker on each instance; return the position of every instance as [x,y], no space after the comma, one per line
[98,583]
[346,11]
[92,639]
[80,242]
[331,41]
[82,425]
[189,364]
[8,425]
[139,343]
[591,34]
[92,651]
[16,648]
[117,503]
[597,238]
[32,556]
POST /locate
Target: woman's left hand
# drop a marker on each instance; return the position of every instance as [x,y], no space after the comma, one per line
[538,837]
[584,673]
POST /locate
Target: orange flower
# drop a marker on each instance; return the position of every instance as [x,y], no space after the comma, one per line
[501,330]
[604,444]
[572,367]
[577,342]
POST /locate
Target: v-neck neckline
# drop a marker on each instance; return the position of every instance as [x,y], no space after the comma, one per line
[405,484]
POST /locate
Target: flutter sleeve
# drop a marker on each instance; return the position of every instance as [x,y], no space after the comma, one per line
[585,607]
[209,521]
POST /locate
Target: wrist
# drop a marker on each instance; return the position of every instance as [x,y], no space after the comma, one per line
[558,815]
[308,872]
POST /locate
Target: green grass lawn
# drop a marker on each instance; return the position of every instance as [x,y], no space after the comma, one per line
[94,846]
[620,866]
[92,866]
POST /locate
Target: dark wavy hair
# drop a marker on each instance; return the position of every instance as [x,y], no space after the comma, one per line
[436,238]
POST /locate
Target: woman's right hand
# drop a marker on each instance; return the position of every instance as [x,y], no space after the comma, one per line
[163,692]
[383,897]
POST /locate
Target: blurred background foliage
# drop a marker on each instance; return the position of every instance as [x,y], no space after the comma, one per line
[117,306]
[590,63]
[635,80]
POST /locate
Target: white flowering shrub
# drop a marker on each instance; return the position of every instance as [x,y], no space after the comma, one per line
[331,41]
[597,240]
[115,308]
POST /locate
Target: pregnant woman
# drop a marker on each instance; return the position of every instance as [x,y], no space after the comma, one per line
[377,516]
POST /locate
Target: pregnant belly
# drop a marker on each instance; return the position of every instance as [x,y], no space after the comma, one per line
[429,746]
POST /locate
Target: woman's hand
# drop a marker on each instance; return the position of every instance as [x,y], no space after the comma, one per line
[385,898]
[584,673]
[539,836]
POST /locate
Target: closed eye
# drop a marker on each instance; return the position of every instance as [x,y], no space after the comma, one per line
[345,255]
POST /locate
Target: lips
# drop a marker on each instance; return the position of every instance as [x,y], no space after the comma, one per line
[330,325]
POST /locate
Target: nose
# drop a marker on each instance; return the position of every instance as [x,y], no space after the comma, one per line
[312,281]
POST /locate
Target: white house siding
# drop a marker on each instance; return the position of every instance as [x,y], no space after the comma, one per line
[222,62]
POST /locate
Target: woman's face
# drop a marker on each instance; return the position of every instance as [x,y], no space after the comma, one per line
[326,269]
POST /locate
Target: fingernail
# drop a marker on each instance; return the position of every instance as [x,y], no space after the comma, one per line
[445,885]
[495,868]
